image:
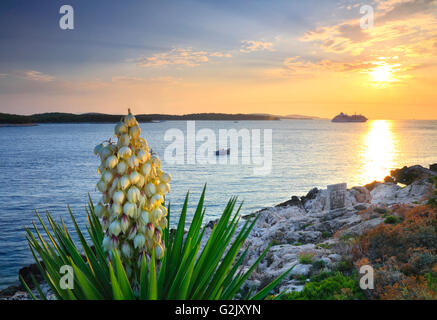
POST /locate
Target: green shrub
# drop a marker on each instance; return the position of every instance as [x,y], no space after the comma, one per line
[319,264]
[326,234]
[306,257]
[185,272]
[329,286]
[345,265]
[391,220]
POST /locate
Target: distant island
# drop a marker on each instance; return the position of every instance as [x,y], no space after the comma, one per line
[7,119]
[342,117]
[57,117]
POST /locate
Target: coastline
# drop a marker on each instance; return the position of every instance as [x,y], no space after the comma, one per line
[305,224]
[6,125]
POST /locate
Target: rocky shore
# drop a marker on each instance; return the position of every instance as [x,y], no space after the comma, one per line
[305,234]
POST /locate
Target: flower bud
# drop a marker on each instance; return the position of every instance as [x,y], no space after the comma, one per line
[118,197]
[156,199]
[117,209]
[129,209]
[139,241]
[108,176]
[163,188]
[125,152]
[165,177]
[124,182]
[105,152]
[102,186]
[111,162]
[134,131]
[124,140]
[145,169]
[132,232]
[150,229]
[164,210]
[150,189]
[113,188]
[115,228]
[163,223]
[98,148]
[141,181]
[121,167]
[155,160]
[156,214]
[105,223]
[120,129]
[114,242]
[99,210]
[124,223]
[142,156]
[133,194]
[133,162]
[130,120]
[159,252]
[157,235]
[134,177]
[126,250]
[145,217]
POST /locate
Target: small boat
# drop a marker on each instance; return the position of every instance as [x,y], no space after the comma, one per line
[223,152]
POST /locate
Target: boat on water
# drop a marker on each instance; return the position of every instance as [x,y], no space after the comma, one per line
[342,117]
[223,152]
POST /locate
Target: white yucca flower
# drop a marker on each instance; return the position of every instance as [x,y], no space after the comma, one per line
[133,188]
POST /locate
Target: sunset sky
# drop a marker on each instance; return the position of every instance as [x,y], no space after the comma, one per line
[278,57]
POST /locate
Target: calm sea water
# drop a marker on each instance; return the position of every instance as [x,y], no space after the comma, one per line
[48,167]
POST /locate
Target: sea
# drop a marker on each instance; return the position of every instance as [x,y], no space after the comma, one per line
[47,167]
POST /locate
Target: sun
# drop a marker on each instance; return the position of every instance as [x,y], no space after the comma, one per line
[382,73]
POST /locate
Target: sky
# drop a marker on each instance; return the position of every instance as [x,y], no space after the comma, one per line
[234,56]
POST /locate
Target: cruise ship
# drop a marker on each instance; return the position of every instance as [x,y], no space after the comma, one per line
[342,117]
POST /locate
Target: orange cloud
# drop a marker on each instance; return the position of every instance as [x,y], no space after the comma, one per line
[179,56]
[252,45]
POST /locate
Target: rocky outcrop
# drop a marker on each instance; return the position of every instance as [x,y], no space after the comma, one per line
[408,175]
[296,226]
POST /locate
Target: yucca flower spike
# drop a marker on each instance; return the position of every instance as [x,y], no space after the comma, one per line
[133,188]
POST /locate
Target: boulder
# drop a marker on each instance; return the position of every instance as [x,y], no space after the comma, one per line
[384,193]
[335,257]
[301,270]
[361,194]
[408,175]
[433,167]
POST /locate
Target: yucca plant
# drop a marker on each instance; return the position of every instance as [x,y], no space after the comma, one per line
[185,272]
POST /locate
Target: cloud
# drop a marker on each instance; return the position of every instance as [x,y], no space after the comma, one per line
[396,22]
[33,75]
[297,65]
[251,45]
[139,80]
[179,56]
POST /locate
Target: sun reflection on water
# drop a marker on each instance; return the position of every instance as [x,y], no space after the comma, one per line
[379,150]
